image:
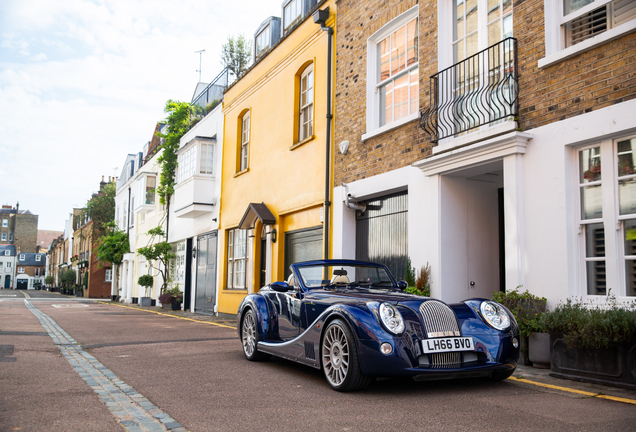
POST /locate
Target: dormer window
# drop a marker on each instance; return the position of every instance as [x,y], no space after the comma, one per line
[38,257]
[263,40]
[292,13]
[22,257]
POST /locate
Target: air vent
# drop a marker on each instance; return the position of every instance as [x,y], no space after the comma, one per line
[438,319]
[310,352]
[588,25]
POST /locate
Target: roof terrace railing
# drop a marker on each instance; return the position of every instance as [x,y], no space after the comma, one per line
[477,91]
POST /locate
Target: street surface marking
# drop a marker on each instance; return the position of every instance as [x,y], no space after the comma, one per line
[8,295]
[133,410]
[571,390]
[69,305]
[169,315]
[26,294]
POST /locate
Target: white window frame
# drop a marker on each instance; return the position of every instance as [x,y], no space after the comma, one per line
[8,266]
[611,218]
[20,269]
[206,169]
[108,275]
[5,223]
[10,236]
[7,253]
[37,271]
[233,259]
[296,5]
[22,257]
[4,237]
[264,36]
[555,50]
[306,115]
[245,141]
[373,93]
[187,163]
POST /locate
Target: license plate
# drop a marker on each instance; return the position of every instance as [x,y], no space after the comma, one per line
[439,345]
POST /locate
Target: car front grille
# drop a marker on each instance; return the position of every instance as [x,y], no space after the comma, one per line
[446,360]
[438,319]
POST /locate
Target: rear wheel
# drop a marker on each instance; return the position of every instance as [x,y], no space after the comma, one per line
[340,358]
[250,337]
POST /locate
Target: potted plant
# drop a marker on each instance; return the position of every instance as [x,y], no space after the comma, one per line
[527,310]
[173,296]
[419,283]
[147,282]
[594,343]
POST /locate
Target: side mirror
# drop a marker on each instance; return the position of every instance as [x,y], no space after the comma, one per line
[280,286]
[402,285]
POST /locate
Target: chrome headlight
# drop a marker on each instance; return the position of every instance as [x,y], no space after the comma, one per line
[391,318]
[495,315]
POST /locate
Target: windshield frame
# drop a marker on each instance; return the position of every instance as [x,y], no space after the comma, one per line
[296,268]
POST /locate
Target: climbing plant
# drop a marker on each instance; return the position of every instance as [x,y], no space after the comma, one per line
[159,255]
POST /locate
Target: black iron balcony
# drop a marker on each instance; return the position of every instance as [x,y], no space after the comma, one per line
[480,90]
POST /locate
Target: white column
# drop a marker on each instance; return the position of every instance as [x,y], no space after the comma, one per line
[513,216]
[129,287]
[114,284]
[270,252]
[344,227]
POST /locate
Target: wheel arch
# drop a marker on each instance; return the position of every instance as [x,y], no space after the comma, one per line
[259,306]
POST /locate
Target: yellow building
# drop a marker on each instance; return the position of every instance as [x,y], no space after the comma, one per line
[275,186]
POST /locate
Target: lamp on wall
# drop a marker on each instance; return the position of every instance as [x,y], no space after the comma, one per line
[272,235]
[344,146]
[194,252]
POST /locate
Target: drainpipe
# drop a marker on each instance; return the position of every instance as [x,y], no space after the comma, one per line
[320,17]
[352,205]
[128,211]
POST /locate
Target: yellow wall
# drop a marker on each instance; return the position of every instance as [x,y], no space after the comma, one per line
[287,177]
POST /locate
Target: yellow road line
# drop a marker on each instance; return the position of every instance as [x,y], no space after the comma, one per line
[26,295]
[571,390]
[168,315]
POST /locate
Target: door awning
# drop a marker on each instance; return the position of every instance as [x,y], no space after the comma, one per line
[256,211]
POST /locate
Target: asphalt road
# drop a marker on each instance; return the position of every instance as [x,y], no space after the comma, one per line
[196,373]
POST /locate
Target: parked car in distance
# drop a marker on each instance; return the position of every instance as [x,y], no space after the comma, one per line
[352,320]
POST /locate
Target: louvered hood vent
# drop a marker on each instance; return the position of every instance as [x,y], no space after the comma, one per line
[439,320]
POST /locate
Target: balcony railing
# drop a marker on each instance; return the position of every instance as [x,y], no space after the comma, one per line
[480,90]
[213,92]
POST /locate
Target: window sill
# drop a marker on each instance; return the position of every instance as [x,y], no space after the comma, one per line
[588,44]
[241,172]
[234,291]
[388,127]
[303,142]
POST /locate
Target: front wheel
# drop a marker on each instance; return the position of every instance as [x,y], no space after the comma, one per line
[340,358]
[249,337]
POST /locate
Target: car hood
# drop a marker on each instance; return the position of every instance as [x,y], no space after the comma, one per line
[380,296]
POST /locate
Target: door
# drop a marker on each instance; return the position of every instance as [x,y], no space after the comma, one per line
[205,299]
[7,281]
[382,232]
[263,266]
[22,284]
[302,245]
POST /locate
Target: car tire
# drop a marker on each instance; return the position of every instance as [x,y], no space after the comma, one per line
[501,375]
[250,337]
[339,358]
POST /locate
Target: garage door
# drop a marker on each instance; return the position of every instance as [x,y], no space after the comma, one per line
[22,284]
[382,232]
[302,245]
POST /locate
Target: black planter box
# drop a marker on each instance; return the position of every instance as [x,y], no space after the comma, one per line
[614,366]
[176,305]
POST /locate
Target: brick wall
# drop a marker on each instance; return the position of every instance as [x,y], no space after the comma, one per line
[357,21]
[26,232]
[592,80]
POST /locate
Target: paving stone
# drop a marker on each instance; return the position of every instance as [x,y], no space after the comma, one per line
[161,416]
[172,425]
[153,427]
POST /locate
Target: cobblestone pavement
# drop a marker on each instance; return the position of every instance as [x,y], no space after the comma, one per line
[133,410]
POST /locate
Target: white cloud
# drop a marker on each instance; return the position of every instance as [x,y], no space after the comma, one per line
[97,85]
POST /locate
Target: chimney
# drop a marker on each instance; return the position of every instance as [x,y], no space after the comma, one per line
[102,184]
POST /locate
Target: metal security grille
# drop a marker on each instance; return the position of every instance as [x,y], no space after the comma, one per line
[446,360]
[587,26]
[439,319]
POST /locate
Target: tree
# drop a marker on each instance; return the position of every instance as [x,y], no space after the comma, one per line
[160,252]
[69,277]
[236,54]
[49,280]
[112,246]
[101,208]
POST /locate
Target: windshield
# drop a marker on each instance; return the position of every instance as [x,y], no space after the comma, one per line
[357,275]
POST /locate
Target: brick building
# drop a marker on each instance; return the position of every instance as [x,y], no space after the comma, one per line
[475,132]
[19,228]
[30,269]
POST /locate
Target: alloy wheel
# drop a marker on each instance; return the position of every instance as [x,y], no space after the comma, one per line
[249,334]
[335,355]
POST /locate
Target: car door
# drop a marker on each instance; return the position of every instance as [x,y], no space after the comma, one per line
[287,306]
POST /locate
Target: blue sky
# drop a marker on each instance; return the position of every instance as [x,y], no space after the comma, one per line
[83,83]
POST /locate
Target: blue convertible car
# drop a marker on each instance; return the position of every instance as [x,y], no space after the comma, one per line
[352,320]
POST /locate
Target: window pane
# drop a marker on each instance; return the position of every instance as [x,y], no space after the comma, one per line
[596,282]
[384,52]
[590,165]
[591,202]
[630,278]
[594,240]
[493,10]
[414,91]
[630,237]
[627,196]
[472,45]
[507,26]
[626,157]
[494,33]
[471,16]
[570,6]
[401,97]
[398,51]
[412,45]
[386,104]
[507,6]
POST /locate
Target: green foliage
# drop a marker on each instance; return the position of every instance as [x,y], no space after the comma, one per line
[101,208]
[526,308]
[113,245]
[596,326]
[171,295]
[68,277]
[161,252]
[146,281]
[85,282]
[414,290]
[409,273]
[49,280]
[178,123]
[236,54]
[423,281]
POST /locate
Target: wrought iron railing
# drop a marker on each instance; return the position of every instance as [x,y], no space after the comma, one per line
[213,92]
[477,91]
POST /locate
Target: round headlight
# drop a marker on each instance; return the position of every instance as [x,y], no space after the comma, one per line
[495,315]
[391,318]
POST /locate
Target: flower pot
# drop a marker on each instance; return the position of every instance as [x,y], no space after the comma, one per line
[614,366]
[144,301]
[539,350]
[176,305]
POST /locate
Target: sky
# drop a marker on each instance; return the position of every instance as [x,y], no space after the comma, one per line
[83,83]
